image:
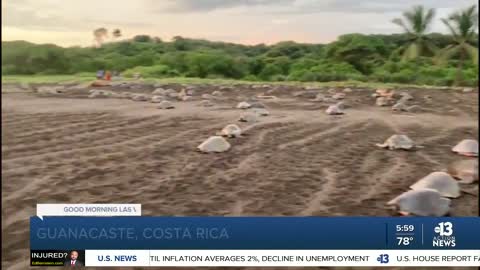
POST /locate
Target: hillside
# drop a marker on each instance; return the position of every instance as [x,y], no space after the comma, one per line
[352,57]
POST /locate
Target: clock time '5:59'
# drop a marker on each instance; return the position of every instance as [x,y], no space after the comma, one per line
[405,228]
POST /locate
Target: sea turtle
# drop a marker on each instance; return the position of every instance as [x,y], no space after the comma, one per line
[467,148]
[306,94]
[26,86]
[249,117]
[243,105]
[310,87]
[406,96]
[173,95]
[382,101]
[73,87]
[385,93]
[256,104]
[214,144]
[319,98]
[231,131]
[263,96]
[423,202]
[165,105]
[126,94]
[217,93]
[157,99]
[399,106]
[334,110]
[338,96]
[159,91]
[181,94]
[261,111]
[94,93]
[91,91]
[414,109]
[206,103]
[272,91]
[186,98]
[139,97]
[49,90]
[397,142]
[207,96]
[100,83]
[464,170]
[341,105]
[170,91]
[97,95]
[136,86]
[115,95]
[109,93]
[225,87]
[441,182]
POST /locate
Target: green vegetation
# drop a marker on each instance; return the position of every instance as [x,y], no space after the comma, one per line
[415,57]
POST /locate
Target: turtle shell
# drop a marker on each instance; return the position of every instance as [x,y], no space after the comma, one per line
[261,112]
[206,103]
[214,144]
[243,105]
[217,93]
[423,202]
[334,110]
[164,105]
[398,142]
[467,148]
[248,117]
[159,91]
[338,96]
[441,182]
[231,131]
[464,170]
[157,99]
[207,96]
[139,97]
[382,101]
[400,106]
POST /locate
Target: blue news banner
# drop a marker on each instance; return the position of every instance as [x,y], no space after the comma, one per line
[254,233]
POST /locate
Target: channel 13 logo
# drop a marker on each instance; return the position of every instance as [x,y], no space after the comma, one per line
[383,258]
[444,235]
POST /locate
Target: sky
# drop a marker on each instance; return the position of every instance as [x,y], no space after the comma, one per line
[71,22]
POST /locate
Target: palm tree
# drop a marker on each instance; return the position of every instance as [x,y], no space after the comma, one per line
[416,23]
[463,26]
[116,33]
[99,35]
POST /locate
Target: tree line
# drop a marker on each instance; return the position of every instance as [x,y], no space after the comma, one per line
[416,56]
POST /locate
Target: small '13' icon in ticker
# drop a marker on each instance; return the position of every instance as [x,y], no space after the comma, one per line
[383,258]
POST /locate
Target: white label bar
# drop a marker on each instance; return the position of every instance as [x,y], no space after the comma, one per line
[268,258]
[109,210]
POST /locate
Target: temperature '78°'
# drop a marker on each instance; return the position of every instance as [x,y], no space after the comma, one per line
[404,241]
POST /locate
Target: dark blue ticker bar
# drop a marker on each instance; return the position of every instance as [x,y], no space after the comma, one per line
[263,233]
